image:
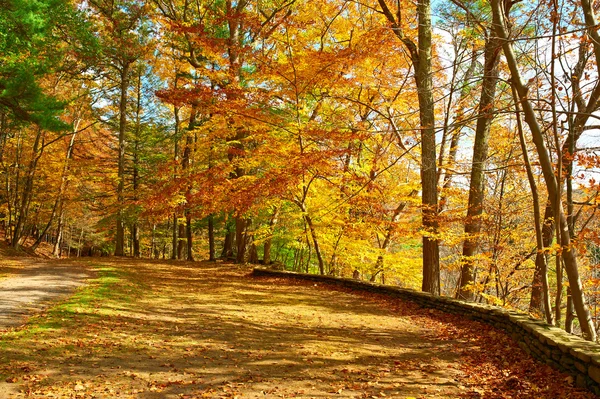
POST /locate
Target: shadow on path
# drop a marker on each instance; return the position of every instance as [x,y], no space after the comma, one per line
[38,282]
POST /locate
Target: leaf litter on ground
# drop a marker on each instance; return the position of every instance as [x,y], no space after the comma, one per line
[166,329]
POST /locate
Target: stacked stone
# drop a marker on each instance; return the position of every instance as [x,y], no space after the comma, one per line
[553,346]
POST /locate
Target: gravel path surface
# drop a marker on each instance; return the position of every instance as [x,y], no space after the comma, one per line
[38,282]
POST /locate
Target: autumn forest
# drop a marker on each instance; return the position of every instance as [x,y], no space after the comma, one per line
[451,147]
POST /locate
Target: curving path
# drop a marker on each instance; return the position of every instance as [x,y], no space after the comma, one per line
[36,283]
[181,330]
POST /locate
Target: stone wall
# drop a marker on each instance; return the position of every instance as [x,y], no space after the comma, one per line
[557,348]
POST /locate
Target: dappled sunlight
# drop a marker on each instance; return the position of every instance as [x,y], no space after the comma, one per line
[170,330]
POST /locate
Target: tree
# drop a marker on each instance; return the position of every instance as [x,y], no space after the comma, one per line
[500,13]
[421,54]
[123,41]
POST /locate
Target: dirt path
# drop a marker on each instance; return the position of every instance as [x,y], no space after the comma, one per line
[171,330]
[31,286]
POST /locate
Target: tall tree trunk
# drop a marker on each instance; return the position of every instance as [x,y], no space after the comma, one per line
[540,258]
[421,58]
[241,226]
[564,239]
[186,162]
[64,181]
[315,240]
[120,228]
[536,303]
[21,215]
[456,130]
[480,154]
[228,245]
[429,199]
[59,232]
[269,239]
[135,230]
[389,231]
[180,242]
[188,235]
[211,238]
[174,241]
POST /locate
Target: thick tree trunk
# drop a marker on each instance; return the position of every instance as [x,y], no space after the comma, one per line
[431,258]
[228,245]
[564,239]
[480,154]
[421,58]
[180,242]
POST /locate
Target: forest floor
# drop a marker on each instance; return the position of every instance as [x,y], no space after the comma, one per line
[161,329]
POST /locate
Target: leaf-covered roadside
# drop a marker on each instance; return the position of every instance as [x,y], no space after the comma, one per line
[204,330]
[492,364]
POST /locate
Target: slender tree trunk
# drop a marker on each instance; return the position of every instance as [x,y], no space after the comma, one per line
[379,263]
[269,239]
[180,242]
[174,241]
[135,236]
[188,235]
[568,254]
[21,216]
[315,240]
[540,258]
[480,154]
[120,228]
[570,313]
[152,243]
[64,181]
[186,162]
[59,233]
[211,238]
[135,230]
[536,303]
[456,130]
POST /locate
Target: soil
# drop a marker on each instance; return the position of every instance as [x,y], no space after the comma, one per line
[205,330]
[30,284]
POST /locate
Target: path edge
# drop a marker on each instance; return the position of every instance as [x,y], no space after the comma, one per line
[555,347]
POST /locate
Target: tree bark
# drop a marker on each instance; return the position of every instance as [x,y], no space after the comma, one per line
[21,215]
[228,245]
[241,225]
[188,235]
[180,242]
[421,58]
[269,239]
[540,258]
[211,238]
[568,251]
[120,228]
[480,154]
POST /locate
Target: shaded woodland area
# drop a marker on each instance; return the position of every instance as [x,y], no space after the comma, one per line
[452,147]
